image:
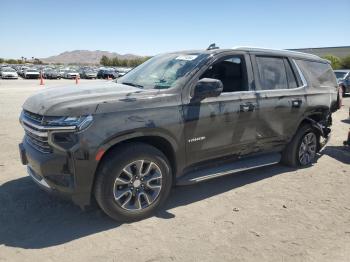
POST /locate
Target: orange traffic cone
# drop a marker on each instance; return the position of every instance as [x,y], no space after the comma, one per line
[76,79]
[41,79]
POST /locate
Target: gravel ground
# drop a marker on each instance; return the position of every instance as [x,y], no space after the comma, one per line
[271,214]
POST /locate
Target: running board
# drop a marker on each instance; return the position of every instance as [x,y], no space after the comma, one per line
[239,165]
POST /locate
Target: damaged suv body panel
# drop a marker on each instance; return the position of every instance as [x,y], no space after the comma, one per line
[264,97]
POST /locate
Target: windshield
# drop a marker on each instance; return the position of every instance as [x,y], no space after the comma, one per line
[162,71]
[7,69]
[340,75]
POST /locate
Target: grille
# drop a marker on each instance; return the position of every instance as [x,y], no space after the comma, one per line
[36,134]
[33,117]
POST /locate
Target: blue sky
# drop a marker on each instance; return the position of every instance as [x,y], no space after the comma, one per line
[43,28]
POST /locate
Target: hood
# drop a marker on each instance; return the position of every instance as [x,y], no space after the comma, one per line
[9,73]
[76,100]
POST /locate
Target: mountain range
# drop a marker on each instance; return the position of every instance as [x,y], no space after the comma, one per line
[84,57]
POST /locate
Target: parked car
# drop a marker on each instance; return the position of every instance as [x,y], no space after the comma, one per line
[177,119]
[31,73]
[107,73]
[8,73]
[343,78]
[51,74]
[21,70]
[70,74]
[123,70]
[88,74]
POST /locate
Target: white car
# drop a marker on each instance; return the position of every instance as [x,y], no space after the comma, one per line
[123,71]
[31,73]
[71,74]
[8,73]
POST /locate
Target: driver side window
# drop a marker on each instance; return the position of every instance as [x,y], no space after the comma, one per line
[231,72]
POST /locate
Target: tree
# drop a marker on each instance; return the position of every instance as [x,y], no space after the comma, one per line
[105,61]
[11,61]
[345,62]
[1,60]
[335,61]
[115,61]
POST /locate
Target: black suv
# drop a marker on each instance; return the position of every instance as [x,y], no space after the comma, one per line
[177,119]
[107,73]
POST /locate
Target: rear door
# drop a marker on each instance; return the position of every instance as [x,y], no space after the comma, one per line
[281,99]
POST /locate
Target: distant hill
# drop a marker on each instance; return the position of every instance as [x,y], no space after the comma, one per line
[84,57]
[339,51]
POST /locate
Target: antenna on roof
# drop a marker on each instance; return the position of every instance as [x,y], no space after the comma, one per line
[212,46]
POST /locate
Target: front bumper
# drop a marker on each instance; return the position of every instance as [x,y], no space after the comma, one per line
[9,77]
[56,173]
[91,76]
[50,171]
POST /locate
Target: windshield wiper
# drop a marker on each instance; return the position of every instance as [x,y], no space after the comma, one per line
[132,84]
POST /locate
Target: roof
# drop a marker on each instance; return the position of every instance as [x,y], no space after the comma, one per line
[265,51]
[280,52]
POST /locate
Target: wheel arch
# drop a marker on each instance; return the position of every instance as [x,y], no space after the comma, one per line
[163,142]
[314,119]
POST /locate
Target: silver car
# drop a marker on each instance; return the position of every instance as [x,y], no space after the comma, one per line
[8,73]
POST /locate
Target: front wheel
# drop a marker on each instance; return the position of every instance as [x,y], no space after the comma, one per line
[133,182]
[302,150]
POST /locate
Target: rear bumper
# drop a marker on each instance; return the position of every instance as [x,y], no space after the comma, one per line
[72,76]
[324,143]
[32,76]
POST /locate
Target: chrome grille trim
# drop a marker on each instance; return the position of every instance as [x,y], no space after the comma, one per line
[40,127]
[36,134]
[42,148]
[33,117]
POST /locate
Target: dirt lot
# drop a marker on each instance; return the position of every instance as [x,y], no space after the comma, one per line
[271,214]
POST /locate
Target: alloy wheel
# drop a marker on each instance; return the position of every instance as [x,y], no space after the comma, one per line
[138,185]
[307,149]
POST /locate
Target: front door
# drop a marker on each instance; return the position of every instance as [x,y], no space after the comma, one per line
[223,125]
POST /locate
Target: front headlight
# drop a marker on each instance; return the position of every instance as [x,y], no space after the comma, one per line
[80,122]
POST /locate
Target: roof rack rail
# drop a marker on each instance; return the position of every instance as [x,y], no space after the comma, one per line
[212,47]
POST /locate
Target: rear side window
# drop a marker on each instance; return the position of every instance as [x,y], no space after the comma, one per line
[272,73]
[292,81]
[319,74]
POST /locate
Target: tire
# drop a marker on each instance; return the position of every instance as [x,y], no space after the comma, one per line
[344,89]
[117,180]
[291,154]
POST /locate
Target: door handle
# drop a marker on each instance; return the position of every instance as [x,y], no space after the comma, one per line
[247,107]
[296,103]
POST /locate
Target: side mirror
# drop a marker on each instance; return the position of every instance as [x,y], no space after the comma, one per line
[207,87]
